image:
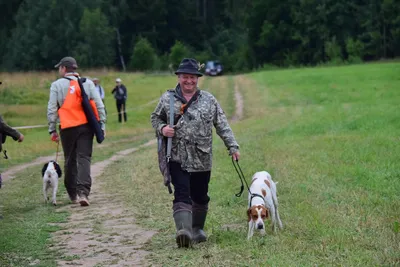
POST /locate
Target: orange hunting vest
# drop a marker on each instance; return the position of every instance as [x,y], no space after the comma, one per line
[71,112]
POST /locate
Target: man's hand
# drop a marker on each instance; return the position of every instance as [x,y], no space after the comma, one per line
[168,131]
[21,138]
[55,137]
[236,156]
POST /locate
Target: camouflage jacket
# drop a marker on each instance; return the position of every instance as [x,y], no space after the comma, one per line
[192,143]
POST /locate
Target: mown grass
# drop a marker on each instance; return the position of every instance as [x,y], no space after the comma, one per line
[330,137]
[24,231]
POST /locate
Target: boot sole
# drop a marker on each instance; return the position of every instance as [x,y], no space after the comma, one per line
[183,240]
[84,202]
[199,239]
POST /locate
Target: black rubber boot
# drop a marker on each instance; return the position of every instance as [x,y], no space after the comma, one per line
[199,218]
[183,223]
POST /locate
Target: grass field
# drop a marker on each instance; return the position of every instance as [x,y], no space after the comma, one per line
[329,136]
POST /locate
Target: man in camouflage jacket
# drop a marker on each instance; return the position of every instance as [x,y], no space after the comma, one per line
[195,114]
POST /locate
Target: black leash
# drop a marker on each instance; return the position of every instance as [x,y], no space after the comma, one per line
[242,178]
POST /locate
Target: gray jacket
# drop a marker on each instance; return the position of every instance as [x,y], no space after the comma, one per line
[192,143]
[58,92]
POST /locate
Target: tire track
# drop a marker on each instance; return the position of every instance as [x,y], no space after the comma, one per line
[238,113]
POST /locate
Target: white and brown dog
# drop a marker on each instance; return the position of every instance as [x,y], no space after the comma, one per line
[51,172]
[263,202]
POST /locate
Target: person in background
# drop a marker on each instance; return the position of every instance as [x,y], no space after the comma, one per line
[120,95]
[100,89]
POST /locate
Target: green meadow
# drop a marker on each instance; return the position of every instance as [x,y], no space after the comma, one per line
[329,136]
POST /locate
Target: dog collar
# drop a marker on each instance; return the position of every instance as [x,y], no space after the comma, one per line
[253,196]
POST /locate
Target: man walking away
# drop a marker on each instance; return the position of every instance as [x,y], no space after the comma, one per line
[65,103]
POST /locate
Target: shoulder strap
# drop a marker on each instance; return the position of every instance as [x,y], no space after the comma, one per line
[80,82]
[184,107]
[82,79]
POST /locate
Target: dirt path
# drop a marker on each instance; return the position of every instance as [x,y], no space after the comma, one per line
[238,114]
[105,233]
[11,172]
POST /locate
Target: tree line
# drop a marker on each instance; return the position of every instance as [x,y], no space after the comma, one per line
[151,35]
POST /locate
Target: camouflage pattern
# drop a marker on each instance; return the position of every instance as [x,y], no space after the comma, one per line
[162,159]
[192,143]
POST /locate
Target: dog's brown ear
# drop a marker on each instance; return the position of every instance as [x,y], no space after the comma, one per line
[248,214]
[266,213]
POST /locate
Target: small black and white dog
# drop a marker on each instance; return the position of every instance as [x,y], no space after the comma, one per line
[51,172]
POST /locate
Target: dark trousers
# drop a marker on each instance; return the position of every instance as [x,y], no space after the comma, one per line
[77,143]
[121,109]
[189,187]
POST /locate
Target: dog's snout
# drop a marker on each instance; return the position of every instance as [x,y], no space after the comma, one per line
[260,226]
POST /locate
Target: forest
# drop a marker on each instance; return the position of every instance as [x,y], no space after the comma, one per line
[142,35]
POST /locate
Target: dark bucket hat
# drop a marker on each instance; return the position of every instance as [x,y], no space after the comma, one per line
[67,62]
[189,66]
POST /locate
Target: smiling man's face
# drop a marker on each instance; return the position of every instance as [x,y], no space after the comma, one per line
[188,82]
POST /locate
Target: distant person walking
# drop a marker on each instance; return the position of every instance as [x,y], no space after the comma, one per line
[100,89]
[120,95]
